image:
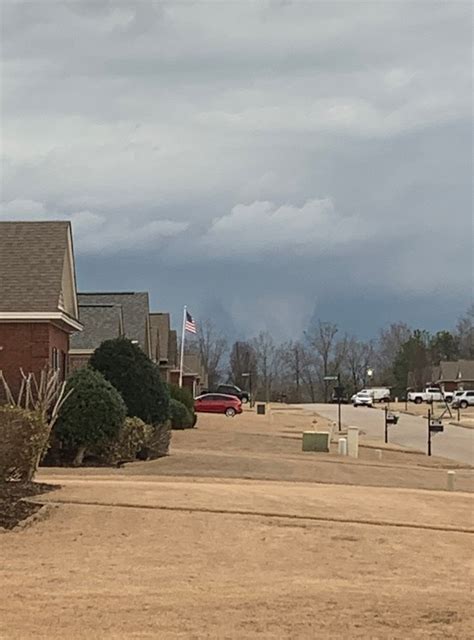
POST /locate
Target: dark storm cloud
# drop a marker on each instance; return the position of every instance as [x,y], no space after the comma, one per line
[261,162]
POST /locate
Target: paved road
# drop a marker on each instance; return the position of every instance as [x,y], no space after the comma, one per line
[455,443]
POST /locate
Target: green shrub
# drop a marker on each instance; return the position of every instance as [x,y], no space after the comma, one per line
[136,377]
[183,395]
[181,417]
[92,415]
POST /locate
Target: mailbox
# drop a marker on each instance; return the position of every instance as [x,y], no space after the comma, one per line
[436,426]
[392,419]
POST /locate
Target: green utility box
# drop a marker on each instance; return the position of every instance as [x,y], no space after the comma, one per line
[316,441]
[261,409]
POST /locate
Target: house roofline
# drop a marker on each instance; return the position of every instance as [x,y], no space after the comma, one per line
[109,293]
[40,316]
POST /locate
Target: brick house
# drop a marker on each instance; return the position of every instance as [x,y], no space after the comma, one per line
[165,353]
[194,375]
[454,375]
[161,347]
[38,300]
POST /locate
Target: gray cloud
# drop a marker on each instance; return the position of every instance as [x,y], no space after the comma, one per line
[254,160]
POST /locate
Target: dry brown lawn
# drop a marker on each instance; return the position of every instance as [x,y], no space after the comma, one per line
[293,545]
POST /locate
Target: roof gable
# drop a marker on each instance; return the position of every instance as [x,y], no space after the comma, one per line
[37,268]
[135,313]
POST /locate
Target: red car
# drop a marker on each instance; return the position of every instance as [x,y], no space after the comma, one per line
[218,403]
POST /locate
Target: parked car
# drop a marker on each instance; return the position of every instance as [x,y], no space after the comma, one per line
[218,403]
[379,394]
[466,399]
[363,399]
[456,395]
[233,390]
[430,394]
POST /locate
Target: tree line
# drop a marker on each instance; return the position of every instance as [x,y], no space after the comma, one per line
[398,357]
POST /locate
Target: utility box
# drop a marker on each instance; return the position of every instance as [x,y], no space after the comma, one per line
[316,441]
[261,409]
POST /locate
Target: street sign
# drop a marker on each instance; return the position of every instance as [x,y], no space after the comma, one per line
[330,378]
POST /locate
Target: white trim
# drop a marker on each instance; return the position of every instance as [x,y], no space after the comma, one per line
[39,316]
[72,266]
[81,352]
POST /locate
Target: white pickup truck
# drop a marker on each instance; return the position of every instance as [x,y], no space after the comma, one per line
[430,394]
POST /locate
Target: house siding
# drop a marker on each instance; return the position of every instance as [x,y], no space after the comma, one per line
[30,346]
[78,361]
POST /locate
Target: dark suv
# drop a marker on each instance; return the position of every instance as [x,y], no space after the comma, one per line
[232,390]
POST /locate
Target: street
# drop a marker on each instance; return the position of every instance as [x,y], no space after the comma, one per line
[455,443]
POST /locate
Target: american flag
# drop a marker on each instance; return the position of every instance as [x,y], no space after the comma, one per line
[190,324]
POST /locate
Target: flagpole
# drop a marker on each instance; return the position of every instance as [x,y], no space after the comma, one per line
[181,360]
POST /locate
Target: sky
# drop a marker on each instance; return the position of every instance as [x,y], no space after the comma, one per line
[265,163]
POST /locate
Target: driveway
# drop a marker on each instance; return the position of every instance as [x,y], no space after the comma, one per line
[456,443]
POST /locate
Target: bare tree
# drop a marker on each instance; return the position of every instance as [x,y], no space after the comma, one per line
[242,360]
[388,347]
[322,339]
[358,356]
[465,334]
[212,347]
[267,356]
[291,360]
[310,373]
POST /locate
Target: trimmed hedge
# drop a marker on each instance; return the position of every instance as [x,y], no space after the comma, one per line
[182,395]
[181,417]
[92,415]
[136,377]
[133,440]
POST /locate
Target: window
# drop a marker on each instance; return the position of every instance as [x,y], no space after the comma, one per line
[54,359]
[63,365]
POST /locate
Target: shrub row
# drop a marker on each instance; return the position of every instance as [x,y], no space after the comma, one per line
[119,409]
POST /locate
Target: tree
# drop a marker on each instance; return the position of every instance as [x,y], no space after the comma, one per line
[242,360]
[92,414]
[465,334]
[266,357]
[413,358]
[388,346]
[136,377]
[357,360]
[321,337]
[443,346]
[290,359]
[212,347]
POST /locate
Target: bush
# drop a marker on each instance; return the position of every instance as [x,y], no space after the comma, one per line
[133,441]
[181,417]
[136,377]
[92,415]
[182,395]
[23,437]
[159,442]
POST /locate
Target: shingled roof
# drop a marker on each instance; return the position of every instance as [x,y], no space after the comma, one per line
[101,322]
[37,275]
[135,313]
